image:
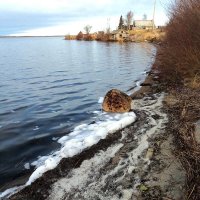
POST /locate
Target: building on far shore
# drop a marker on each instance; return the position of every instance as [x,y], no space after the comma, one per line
[135,24]
[119,34]
[143,24]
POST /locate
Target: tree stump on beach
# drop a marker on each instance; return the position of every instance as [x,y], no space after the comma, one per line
[117,101]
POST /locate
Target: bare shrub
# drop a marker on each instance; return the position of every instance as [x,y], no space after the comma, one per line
[179,63]
[79,36]
[181,52]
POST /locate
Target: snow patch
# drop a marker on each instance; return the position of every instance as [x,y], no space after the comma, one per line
[36,128]
[82,137]
[100,101]
[138,84]
[10,191]
[27,166]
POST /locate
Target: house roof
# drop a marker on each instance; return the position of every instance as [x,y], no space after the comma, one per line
[143,23]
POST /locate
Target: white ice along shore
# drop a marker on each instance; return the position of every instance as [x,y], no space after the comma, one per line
[82,137]
[110,173]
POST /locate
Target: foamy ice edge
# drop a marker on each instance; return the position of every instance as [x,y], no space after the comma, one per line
[86,178]
[82,137]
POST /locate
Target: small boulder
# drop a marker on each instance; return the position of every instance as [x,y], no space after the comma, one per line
[117,101]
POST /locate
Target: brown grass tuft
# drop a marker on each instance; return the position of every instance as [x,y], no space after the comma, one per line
[141,35]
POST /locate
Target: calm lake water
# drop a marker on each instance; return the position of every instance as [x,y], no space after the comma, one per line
[49,85]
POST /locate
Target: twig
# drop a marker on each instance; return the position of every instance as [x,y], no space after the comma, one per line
[191,192]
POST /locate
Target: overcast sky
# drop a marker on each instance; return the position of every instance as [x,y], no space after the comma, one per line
[59,17]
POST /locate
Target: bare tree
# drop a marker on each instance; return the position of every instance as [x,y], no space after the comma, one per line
[129,19]
[87,29]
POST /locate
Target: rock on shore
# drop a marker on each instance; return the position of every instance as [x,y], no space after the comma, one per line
[117,101]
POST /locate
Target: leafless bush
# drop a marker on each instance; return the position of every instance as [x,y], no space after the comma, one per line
[181,52]
[179,62]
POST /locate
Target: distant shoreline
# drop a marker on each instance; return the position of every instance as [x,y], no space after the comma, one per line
[30,36]
[121,35]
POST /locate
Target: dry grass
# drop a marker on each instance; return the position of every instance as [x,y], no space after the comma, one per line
[70,37]
[141,35]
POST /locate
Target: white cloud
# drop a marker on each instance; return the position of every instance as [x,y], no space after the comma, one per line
[70,16]
[50,6]
[98,23]
[74,27]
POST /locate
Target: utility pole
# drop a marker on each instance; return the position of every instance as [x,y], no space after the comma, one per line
[154,10]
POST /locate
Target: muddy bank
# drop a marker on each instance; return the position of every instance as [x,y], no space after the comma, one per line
[135,163]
